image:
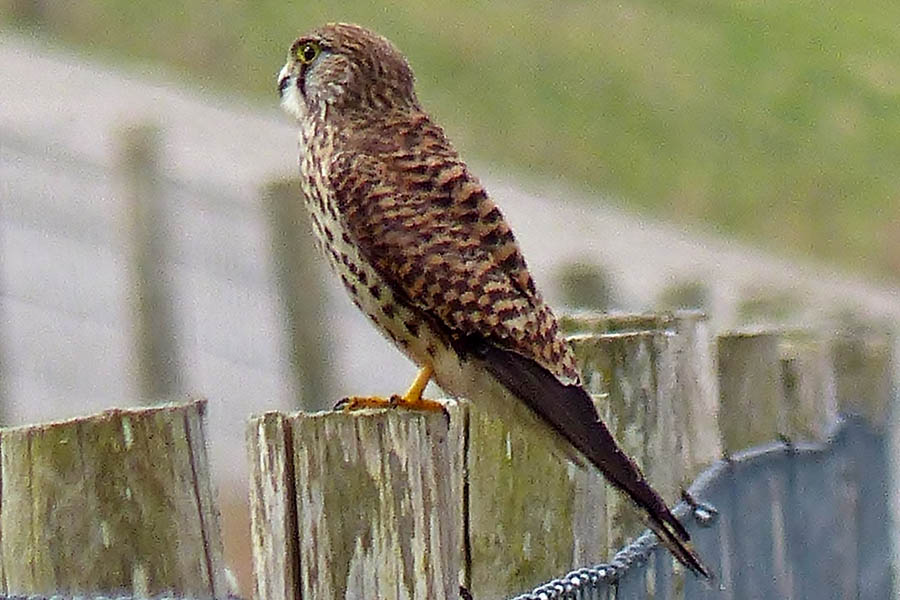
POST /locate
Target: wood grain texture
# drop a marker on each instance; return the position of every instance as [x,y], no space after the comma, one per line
[809,406]
[863,361]
[626,374]
[273,514]
[750,388]
[534,512]
[117,502]
[696,393]
[684,368]
[376,509]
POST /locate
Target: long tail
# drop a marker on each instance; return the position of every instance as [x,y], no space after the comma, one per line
[569,410]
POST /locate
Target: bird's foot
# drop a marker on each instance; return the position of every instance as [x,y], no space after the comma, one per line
[417,403]
[352,403]
[411,400]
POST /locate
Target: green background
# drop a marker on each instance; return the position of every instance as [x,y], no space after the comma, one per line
[776,122]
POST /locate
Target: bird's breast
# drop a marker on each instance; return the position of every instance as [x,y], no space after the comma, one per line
[402,323]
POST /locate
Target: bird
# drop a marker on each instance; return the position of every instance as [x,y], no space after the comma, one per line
[427,255]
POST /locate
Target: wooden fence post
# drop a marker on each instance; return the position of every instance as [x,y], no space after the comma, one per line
[697,393]
[117,503]
[676,362]
[533,514]
[863,365]
[809,406]
[750,389]
[687,355]
[532,511]
[751,399]
[273,523]
[794,384]
[378,504]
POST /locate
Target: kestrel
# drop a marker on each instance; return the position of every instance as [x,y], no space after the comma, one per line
[427,255]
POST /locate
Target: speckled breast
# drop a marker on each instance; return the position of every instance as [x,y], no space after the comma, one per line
[401,323]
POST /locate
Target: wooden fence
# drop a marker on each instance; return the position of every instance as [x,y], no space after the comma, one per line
[394,504]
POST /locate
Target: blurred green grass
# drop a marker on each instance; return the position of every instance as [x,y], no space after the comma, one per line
[775,122]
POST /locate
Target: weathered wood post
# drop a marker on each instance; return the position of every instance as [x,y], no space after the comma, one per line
[808,384]
[652,377]
[374,510]
[750,389]
[117,503]
[863,365]
[531,509]
[865,368]
[273,504]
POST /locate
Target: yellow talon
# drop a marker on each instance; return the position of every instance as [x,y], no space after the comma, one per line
[411,400]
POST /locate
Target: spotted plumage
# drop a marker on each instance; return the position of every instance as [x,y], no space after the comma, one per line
[426,254]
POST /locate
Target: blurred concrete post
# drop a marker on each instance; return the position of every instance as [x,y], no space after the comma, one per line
[302,291]
[146,239]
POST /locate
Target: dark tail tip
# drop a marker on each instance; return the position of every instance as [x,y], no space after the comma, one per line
[681,549]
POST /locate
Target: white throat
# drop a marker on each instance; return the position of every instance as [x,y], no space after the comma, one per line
[291,100]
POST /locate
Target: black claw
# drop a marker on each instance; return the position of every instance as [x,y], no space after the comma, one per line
[341,404]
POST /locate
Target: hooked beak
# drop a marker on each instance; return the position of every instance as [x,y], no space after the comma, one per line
[284,80]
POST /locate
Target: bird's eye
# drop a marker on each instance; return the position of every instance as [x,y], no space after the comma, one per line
[308,52]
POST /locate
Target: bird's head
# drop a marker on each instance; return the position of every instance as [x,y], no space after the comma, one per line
[341,69]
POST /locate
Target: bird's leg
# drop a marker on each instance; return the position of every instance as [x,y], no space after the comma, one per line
[411,400]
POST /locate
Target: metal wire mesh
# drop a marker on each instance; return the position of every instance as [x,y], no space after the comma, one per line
[852,465]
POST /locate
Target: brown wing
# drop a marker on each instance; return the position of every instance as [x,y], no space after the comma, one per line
[430,229]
